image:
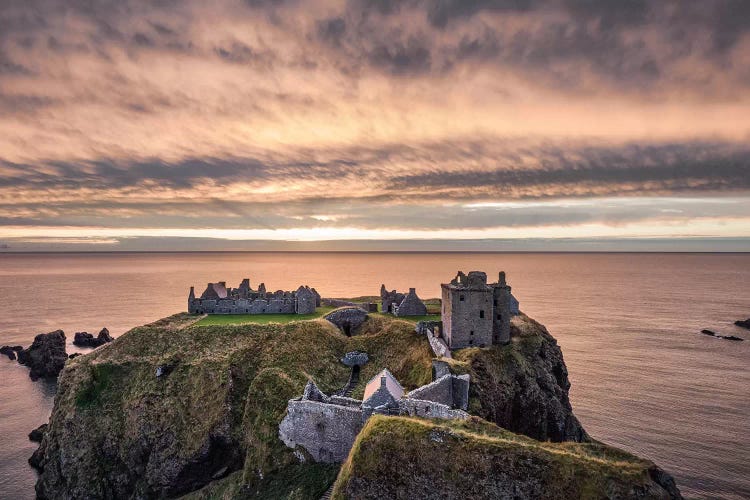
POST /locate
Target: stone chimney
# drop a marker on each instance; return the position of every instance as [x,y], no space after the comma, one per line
[501,278]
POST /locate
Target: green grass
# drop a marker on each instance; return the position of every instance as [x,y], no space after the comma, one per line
[412,319]
[261,319]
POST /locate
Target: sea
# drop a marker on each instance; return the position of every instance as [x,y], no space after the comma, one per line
[643,377]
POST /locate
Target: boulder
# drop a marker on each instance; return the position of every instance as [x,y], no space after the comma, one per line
[37,434]
[708,332]
[46,356]
[744,323]
[10,351]
[347,319]
[732,337]
[85,339]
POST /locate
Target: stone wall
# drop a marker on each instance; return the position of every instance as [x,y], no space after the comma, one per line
[429,409]
[450,390]
[325,431]
[411,305]
[243,300]
[438,391]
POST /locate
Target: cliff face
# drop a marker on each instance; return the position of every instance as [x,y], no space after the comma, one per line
[168,407]
[523,386]
[171,408]
[397,457]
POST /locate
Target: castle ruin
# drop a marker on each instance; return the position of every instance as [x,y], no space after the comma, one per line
[475,313]
[218,299]
[401,304]
[325,427]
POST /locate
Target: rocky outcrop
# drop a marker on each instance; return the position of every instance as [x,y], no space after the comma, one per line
[11,351]
[46,356]
[397,457]
[523,386]
[37,434]
[118,430]
[711,333]
[347,319]
[85,339]
[743,323]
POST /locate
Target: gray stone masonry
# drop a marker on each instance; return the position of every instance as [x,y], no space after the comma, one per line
[348,319]
[325,427]
[401,304]
[218,299]
[475,313]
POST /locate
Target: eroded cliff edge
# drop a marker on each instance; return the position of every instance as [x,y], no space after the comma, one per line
[170,408]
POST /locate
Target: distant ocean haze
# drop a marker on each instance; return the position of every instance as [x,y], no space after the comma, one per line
[643,377]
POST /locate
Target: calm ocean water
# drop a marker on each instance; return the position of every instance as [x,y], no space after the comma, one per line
[643,378]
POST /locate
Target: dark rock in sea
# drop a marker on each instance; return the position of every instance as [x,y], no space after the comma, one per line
[725,337]
[46,356]
[74,355]
[37,434]
[347,319]
[744,323]
[85,339]
[11,350]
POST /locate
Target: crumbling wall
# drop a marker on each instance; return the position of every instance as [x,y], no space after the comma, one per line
[325,431]
[429,409]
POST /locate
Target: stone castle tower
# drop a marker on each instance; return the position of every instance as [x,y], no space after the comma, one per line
[475,313]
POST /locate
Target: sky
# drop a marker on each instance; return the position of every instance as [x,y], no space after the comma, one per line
[375,125]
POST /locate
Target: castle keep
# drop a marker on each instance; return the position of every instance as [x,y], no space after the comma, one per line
[218,299]
[475,313]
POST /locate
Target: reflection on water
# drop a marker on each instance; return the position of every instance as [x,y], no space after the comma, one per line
[643,378]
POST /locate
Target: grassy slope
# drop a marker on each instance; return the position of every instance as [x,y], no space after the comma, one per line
[239,376]
[399,457]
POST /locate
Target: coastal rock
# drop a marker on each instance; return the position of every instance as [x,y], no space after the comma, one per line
[10,351]
[743,323]
[37,434]
[347,319]
[523,386]
[725,337]
[46,356]
[85,339]
[218,413]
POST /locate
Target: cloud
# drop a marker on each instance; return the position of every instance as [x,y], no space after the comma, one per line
[378,114]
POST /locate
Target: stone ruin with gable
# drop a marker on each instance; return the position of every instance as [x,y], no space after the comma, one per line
[218,299]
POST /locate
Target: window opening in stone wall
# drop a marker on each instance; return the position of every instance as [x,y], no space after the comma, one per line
[461,298]
[481,314]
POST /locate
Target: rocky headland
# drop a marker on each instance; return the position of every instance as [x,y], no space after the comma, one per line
[174,408]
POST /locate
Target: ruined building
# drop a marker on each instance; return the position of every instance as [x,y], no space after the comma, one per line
[475,313]
[218,299]
[325,427]
[401,304]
